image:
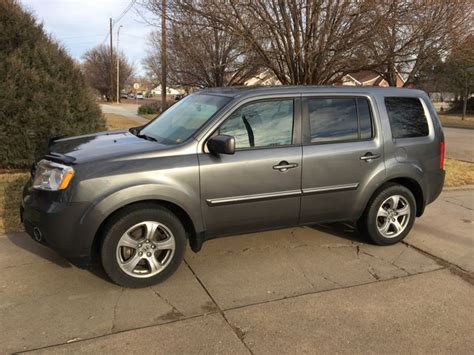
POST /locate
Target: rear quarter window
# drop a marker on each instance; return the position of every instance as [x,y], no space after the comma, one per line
[407,117]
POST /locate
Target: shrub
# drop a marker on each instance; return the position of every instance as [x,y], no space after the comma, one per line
[149,108]
[42,91]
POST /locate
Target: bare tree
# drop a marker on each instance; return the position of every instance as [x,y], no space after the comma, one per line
[97,68]
[200,53]
[300,41]
[415,32]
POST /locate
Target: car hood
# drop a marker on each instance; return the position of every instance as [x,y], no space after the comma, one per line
[103,145]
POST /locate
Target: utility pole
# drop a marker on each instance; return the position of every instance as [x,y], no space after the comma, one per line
[163,55]
[111,64]
[118,65]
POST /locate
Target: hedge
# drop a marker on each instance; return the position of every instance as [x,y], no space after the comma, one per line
[42,90]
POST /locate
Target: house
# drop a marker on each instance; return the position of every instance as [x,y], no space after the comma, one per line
[264,78]
[368,78]
[169,91]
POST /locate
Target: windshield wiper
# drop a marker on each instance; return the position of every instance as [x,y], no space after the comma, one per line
[147,137]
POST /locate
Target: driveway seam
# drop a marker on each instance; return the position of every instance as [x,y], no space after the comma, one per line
[333,289]
[239,333]
[453,268]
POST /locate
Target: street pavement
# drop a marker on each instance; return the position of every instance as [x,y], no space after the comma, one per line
[128,110]
[298,290]
[459,143]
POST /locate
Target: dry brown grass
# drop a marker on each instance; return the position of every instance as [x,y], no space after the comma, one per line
[114,121]
[458,173]
[149,117]
[11,185]
[455,120]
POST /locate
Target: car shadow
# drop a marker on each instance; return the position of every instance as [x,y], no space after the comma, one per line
[346,230]
[23,241]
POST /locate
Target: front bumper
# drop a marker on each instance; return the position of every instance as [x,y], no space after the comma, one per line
[50,220]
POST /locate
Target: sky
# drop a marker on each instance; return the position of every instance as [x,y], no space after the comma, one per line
[83,24]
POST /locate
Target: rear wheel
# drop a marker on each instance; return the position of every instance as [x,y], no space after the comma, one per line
[142,246]
[390,215]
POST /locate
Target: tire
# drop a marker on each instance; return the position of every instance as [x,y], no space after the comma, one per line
[142,245]
[395,221]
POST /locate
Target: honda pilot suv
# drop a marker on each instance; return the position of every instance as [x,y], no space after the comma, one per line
[237,160]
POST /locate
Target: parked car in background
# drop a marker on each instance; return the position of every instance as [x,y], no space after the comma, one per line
[131,95]
[178,97]
[139,95]
[229,161]
[124,95]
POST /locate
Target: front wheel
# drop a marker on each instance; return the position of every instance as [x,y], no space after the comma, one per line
[142,246]
[390,215]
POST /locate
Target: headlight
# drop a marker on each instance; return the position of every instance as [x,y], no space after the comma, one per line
[52,176]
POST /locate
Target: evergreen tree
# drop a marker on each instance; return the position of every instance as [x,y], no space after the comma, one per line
[42,91]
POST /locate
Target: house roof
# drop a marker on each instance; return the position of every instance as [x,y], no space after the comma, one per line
[364,75]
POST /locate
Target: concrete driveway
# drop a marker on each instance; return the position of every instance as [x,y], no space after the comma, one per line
[459,143]
[298,290]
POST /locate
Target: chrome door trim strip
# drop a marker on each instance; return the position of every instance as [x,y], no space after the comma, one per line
[317,190]
[250,198]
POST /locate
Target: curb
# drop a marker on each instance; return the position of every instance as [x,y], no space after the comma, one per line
[459,188]
[456,126]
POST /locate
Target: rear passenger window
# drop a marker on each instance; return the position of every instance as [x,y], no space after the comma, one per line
[407,117]
[339,119]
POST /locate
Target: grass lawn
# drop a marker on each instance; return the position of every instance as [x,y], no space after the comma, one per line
[458,173]
[456,121]
[114,121]
[150,117]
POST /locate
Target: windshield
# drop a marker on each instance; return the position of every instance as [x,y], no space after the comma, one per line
[184,118]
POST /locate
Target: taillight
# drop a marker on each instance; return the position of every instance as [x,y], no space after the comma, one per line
[441,155]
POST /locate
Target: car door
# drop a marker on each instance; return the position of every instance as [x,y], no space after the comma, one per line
[342,154]
[258,187]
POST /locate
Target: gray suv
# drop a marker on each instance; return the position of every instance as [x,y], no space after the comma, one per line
[237,160]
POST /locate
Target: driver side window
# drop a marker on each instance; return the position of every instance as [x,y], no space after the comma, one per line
[261,124]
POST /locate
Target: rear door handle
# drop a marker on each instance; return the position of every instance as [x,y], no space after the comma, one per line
[369,156]
[284,166]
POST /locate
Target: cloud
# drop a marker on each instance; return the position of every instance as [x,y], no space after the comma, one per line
[82,24]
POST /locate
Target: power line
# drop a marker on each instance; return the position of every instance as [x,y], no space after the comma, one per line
[122,14]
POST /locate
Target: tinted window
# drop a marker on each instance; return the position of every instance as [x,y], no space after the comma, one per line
[260,124]
[407,118]
[365,119]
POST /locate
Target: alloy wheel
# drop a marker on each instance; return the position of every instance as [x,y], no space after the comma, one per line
[393,216]
[145,249]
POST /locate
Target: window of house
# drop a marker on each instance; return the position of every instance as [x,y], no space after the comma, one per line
[407,117]
[261,124]
[339,119]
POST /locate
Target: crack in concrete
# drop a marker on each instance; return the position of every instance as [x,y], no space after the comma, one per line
[460,204]
[175,312]
[372,273]
[239,333]
[387,261]
[115,310]
[453,268]
[231,309]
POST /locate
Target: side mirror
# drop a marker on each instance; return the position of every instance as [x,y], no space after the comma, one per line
[221,144]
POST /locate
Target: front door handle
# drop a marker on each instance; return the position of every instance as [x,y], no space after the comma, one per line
[284,166]
[369,156]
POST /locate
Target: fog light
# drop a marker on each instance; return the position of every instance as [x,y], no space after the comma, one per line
[37,234]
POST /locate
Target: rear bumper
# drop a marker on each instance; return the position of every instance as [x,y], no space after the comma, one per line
[55,224]
[435,183]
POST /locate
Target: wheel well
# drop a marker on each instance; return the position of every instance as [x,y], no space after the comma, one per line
[415,189]
[178,211]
